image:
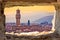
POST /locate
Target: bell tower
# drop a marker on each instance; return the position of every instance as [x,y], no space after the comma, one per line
[18,16]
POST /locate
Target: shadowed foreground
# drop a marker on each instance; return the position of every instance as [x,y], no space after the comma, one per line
[51,36]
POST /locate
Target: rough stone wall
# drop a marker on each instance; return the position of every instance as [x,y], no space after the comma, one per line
[43,37]
[53,36]
[36,1]
[2,21]
[57,19]
[58,0]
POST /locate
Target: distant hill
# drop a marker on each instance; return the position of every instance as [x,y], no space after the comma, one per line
[41,20]
[45,19]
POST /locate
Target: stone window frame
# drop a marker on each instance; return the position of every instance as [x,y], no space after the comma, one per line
[57,18]
[57,7]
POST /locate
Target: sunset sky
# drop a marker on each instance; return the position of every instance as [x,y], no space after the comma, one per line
[28,12]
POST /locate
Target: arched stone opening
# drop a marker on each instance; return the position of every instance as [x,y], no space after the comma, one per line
[35,9]
[57,19]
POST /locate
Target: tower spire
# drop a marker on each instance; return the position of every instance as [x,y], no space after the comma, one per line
[18,16]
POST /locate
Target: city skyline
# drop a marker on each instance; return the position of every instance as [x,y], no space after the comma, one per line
[32,13]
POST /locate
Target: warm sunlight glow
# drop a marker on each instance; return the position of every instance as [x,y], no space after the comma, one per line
[29,8]
[32,13]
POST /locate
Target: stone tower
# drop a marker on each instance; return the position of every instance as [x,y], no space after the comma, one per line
[28,22]
[18,16]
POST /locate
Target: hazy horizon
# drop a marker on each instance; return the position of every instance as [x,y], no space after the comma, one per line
[28,13]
